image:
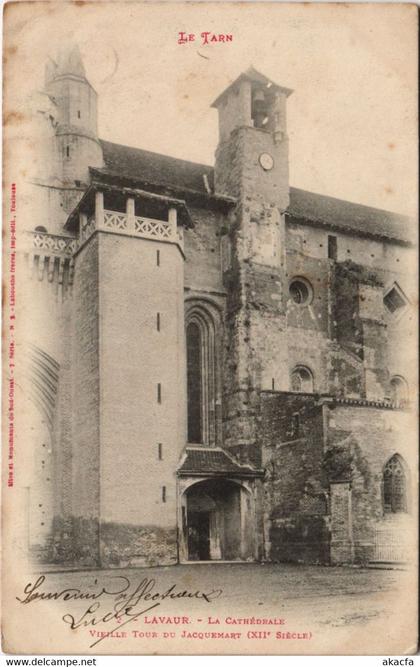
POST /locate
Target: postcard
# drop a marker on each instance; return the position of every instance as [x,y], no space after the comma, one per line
[210,328]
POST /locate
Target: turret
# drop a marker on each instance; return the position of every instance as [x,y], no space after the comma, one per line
[76,132]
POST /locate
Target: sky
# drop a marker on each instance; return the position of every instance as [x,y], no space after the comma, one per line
[351,118]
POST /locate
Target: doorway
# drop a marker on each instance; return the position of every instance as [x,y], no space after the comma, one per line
[218,522]
[199,535]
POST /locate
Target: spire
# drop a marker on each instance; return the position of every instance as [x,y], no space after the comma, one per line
[68,61]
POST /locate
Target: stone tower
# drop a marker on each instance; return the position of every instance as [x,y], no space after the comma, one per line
[252,165]
[128,372]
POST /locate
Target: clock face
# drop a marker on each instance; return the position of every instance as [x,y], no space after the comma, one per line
[266,161]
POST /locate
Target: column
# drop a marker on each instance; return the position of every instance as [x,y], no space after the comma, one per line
[342,548]
[131,215]
[172,219]
[99,210]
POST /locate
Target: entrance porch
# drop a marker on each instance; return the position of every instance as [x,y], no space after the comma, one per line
[217,509]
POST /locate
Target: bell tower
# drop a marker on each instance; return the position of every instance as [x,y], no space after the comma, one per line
[252,166]
[252,155]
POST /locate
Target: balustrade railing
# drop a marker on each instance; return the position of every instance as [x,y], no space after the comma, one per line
[123,223]
[50,257]
[115,220]
[54,244]
[52,254]
[51,244]
[151,228]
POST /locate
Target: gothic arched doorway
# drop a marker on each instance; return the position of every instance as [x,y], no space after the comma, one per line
[217,521]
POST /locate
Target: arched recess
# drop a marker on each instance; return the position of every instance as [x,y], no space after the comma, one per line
[41,373]
[395,486]
[203,339]
[399,390]
[38,373]
[302,379]
[217,520]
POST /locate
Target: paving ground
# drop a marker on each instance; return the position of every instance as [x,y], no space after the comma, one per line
[337,609]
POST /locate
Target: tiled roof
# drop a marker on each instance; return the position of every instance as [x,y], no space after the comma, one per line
[254,76]
[313,209]
[347,216]
[213,461]
[153,167]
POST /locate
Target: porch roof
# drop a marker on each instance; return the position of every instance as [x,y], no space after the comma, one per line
[213,461]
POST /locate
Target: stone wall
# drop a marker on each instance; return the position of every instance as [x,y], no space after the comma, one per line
[142,379]
[86,459]
[296,488]
[202,251]
[125,545]
[373,253]
[369,436]
[324,463]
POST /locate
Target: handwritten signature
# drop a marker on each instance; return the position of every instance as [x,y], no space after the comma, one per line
[126,597]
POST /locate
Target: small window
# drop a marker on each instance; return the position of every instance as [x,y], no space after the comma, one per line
[158,321]
[78,114]
[157,257]
[301,291]
[394,486]
[160,451]
[77,184]
[159,393]
[164,494]
[67,151]
[332,247]
[302,380]
[395,299]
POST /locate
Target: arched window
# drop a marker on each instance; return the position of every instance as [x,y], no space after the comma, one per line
[399,390]
[203,381]
[194,383]
[41,228]
[394,486]
[302,380]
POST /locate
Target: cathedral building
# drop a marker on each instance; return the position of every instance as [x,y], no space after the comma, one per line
[215,366]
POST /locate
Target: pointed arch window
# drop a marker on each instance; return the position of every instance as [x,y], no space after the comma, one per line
[394,486]
[203,389]
[194,383]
